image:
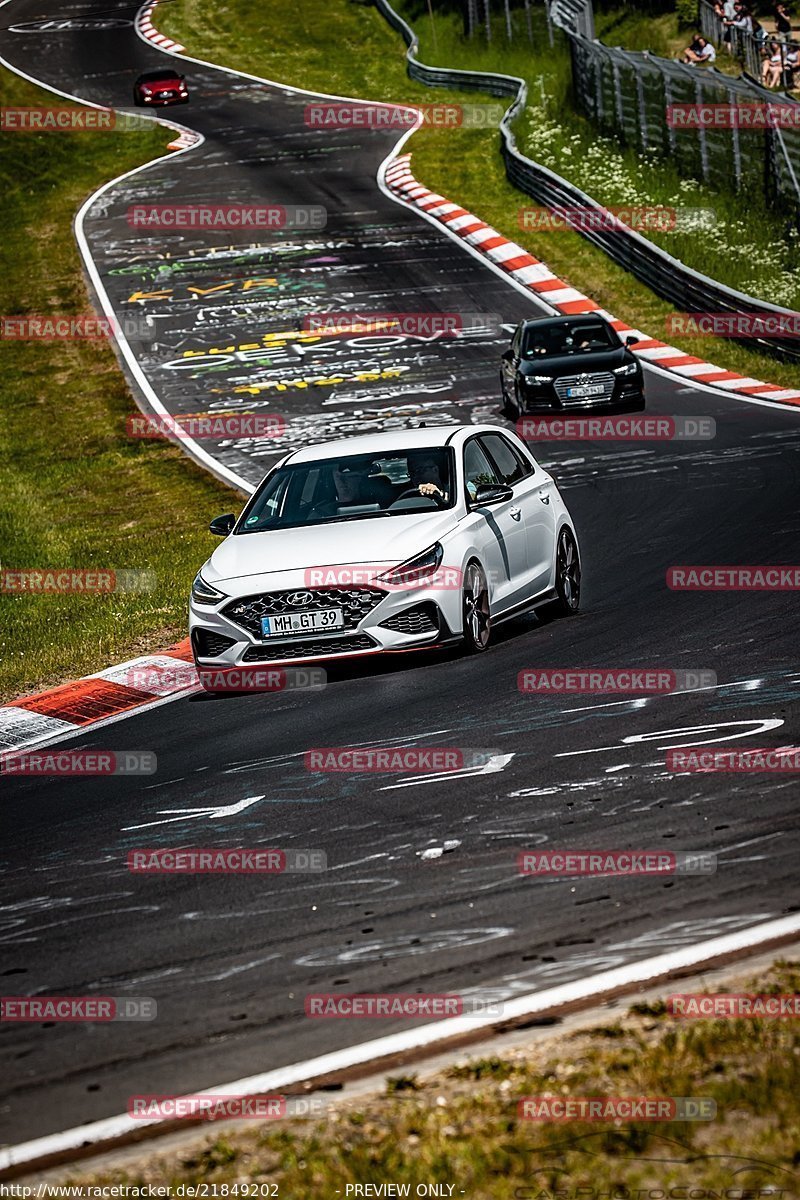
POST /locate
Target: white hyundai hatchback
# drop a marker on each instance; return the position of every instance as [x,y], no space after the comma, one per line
[389,542]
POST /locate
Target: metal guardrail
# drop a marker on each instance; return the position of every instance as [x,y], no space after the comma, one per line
[668,277]
[574,16]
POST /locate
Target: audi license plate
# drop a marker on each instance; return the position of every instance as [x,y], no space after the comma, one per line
[305,622]
[589,389]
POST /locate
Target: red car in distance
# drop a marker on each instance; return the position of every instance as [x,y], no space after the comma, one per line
[155,88]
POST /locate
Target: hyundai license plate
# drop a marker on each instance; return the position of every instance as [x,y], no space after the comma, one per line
[305,622]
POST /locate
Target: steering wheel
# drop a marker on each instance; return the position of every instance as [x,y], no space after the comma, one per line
[437,497]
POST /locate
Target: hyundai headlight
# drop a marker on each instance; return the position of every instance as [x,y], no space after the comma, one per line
[204,593]
[413,570]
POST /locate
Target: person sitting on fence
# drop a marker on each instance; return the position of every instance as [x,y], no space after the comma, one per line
[772,67]
[700,51]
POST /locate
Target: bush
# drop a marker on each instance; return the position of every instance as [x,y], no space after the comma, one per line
[688,14]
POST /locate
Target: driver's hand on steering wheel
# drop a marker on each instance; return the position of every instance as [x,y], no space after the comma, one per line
[430,489]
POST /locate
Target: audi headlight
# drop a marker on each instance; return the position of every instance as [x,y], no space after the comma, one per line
[539,378]
[204,593]
[422,566]
[628,369]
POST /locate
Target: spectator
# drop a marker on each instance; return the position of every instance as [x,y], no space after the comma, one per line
[734,13]
[791,65]
[704,52]
[783,25]
[742,20]
[772,66]
[694,45]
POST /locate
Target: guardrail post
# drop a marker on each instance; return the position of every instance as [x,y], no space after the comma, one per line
[671,137]
[529,24]
[620,109]
[737,149]
[642,108]
[588,20]
[598,76]
[701,133]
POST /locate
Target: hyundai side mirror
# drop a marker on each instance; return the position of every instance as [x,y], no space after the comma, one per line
[492,493]
[221,526]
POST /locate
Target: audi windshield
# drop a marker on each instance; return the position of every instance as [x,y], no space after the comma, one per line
[557,340]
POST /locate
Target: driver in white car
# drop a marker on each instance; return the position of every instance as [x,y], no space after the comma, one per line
[423,472]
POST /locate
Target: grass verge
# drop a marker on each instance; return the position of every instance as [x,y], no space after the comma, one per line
[293,44]
[461,1127]
[76,491]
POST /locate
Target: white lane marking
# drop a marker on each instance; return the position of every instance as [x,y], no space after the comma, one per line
[756,726]
[231,971]
[426,1035]
[497,762]
[750,685]
[213,814]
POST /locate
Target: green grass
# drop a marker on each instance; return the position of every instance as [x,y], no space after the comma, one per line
[76,491]
[292,43]
[658,32]
[461,1127]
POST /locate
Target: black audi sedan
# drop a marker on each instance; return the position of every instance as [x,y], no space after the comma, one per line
[576,364]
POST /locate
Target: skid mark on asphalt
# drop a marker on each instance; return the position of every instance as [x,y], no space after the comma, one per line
[659,941]
[411,946]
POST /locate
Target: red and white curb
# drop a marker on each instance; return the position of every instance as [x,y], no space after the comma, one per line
[147,30]
[75,706]
[537,277]
[185,140]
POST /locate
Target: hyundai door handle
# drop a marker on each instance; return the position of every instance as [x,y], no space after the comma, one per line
[516,513]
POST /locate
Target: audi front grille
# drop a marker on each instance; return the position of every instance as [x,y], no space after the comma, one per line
[564,382]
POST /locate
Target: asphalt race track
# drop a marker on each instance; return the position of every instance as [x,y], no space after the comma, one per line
[229,959]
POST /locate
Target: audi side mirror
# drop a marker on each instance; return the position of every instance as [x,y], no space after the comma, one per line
[221,526]
[631,339]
